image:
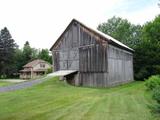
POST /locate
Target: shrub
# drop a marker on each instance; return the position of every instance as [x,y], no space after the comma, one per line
[49,70]
[141,74]
[156,96]
[153,82]
[155,108]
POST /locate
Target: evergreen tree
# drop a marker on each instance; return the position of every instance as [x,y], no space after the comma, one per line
[27,52]
[7,50]
[19,60]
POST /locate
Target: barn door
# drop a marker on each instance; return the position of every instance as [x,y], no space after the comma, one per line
[73,59]
[93,59]
[69,59]
[63,60]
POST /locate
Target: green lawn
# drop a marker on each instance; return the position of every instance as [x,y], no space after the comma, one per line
[3,83]
[55,99]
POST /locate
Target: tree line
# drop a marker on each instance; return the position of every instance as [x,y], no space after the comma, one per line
[12,58]
[144,39]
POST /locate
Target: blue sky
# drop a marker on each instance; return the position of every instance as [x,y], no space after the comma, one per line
[136,11]
[42,21]
[135,5]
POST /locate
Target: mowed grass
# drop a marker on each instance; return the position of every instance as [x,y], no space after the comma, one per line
[56,100]
[4,83]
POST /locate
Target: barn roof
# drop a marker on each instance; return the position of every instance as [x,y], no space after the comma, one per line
[99,33]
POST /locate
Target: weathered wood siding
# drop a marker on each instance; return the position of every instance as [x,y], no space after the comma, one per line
[92,53]
[66,54]
[120,65]
[93,65]
[102,64]
[99,64]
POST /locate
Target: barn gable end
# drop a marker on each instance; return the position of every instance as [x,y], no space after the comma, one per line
[65,50]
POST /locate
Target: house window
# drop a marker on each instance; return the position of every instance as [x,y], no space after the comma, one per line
[42,65]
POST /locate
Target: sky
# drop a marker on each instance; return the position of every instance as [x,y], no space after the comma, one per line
[42,21]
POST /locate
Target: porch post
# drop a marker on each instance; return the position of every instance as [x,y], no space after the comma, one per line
[31,72]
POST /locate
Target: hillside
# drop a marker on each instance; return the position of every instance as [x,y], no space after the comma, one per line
[55,99]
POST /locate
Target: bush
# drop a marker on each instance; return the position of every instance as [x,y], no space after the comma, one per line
[156,94]
[49,70]
[141,74]
[155,108]
[153,82]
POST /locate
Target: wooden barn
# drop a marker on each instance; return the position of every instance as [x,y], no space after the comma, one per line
[91,57]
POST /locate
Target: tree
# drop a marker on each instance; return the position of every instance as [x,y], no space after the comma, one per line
[27,52]
[145,40]
[147,54]
[7,50]
[44,54]
[35,53]
[122,30]
[19,60]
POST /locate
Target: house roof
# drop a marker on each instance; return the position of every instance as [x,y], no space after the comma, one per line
[35,62]
[105,36]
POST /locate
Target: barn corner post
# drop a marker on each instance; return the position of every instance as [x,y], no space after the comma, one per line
[52,61]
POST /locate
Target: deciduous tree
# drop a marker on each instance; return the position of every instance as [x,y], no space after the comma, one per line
[122,30]
[147,54]
[44,54]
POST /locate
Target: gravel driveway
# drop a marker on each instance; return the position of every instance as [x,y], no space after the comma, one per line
[22,85]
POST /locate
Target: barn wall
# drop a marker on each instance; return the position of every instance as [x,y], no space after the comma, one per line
[92,60]
[66,54]
[120,65]
[92,53]
[93,79]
